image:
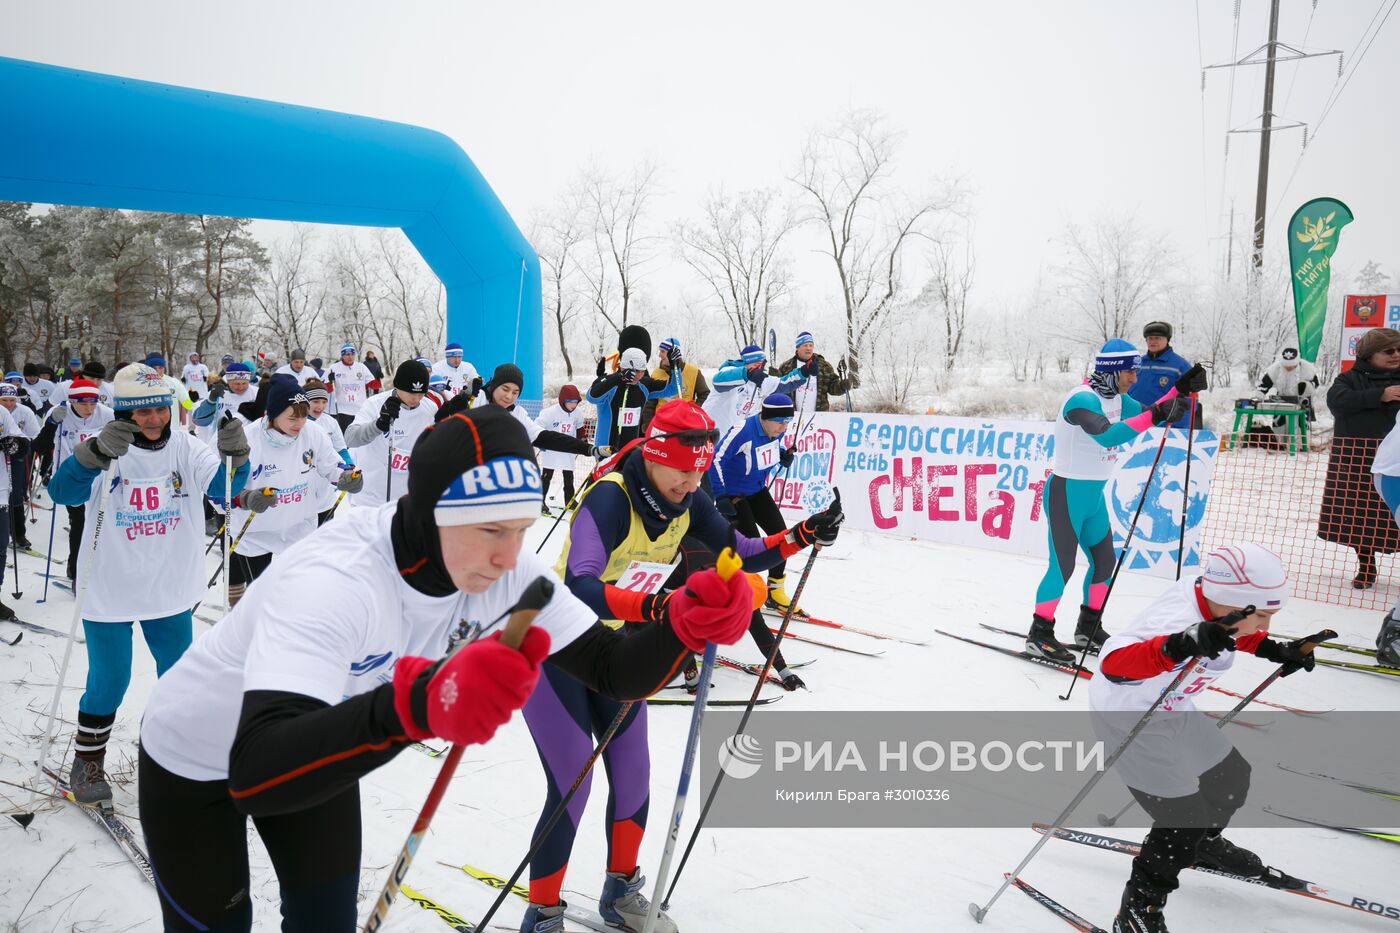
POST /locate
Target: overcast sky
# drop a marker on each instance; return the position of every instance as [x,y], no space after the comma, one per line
[1053,112]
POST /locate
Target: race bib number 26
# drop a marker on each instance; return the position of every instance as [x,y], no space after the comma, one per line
[643,577]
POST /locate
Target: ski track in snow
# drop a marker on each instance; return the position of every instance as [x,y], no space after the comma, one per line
[846,879]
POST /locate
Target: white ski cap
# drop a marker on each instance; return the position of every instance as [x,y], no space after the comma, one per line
[632,358]
[1246,574]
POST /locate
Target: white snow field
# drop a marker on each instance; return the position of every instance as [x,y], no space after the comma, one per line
[64,873]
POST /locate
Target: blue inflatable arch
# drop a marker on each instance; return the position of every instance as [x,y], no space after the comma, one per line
[77,137]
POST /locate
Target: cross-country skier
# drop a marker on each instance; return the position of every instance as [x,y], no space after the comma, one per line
[745,462]
[1181,768]
[459,373]
[502,391]
[149,564]
[741,385]
[820,380]
[296,368]
[672,366]
[564,418]
[1094,421]
[289,465]
[277,712]
[387,426]
[40,390]
[623,388]
[318,398]
[195,375]
[20,462]
[650,509]
[348,380]
[10,438]
[231,393]
[67,426]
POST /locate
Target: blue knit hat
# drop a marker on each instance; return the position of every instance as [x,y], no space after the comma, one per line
[804,337]
[753,353]
[238,371]
[1116,356]
[13,377]
[347,348]
[155,359]
[670,343]
[453,348]
[282,391]
[777,407]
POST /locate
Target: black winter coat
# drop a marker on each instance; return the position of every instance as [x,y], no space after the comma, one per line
[1355,401]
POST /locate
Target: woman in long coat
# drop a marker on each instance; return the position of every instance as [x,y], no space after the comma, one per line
[1364,400]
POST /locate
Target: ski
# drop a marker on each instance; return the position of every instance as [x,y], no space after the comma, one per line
[800,616]
[1371,833]
[1054,906]
[1365,668]
[1354,785]
[429,750]
[1334,645]
[826,644]
[579,915]
[56,582]
[445,915]
[1023,655]
[1278,880]
[15,641]
[30,552]
[754,670]
[45,630]
[1218,689]
[690,701]
[116,827]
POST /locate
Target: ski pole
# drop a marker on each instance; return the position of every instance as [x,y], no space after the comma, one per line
[728,564]
[602,467]
[535,597]
[1122,556]
[228,510]
[1312,642]
[978,913]
[269,491]
[48,557]
[14,548]
[1186,485]
[24,818]
[558,813]
[743,720]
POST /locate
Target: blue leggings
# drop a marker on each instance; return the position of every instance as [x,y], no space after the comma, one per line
[109,656]
[1076,515]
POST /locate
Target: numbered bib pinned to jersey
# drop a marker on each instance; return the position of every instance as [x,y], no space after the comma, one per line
[645,577]
[629,417]
[767,456]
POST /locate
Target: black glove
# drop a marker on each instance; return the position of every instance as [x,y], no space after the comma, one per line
[602,364]
[811,367]
[1193,380]
[1170,411]
[256,501]
[791,681]
[677,360]
[654,607]
[111,443]
[388,413]
[1302,388]
[821,528]
[1206,639]
[756,375]
[10,446]
[1295,655]
[194,395]
[476,386]
[629,376]
[216,391]
[785,456]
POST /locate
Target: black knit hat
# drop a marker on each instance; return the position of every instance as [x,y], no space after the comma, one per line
[634,335]
[282,391]
[506,373]
[94,370]
[447,479]
[411,376]
[1158,329]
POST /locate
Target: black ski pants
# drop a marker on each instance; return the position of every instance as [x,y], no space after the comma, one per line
[1180,823]
[198,845]
[758,510]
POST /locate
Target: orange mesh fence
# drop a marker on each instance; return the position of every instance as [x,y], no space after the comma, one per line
[1319,511]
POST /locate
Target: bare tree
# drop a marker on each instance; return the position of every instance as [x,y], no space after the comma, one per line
[845,174]
[954,266]
[556,236]
[1113,273]
[621,247]
[410,292]
[1371,280]
[230,263]
[735,250]
[175,245]
[357,295]
[292,294]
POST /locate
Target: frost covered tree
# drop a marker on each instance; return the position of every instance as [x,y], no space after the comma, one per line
[1112,274]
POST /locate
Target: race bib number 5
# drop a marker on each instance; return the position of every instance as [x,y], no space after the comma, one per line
[643,577]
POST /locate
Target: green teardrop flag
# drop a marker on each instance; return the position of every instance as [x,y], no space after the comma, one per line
[1312,239]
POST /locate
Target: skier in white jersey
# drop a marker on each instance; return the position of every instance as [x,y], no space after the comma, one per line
[297,368]
[565,418]
[9,447]
[461,375]
[1181,768]
[502,391]
[348,380]
[235,391]
[278,711]
[195,375]
[289,464]
[67,426]
[318,398]
[149,564]
[40,390]
[741,385]
[20,462]
[385,430]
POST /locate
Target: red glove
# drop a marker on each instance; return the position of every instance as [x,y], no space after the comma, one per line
[709,609]
[471,694]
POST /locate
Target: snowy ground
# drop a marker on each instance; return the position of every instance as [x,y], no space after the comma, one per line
[64,875]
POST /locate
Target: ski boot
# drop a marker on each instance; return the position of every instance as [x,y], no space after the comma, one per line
[88,782]
[544,511]
[6,613]
[623,905]
[1141,908]
[692,676]
[778,600]
[1223,855]
[540,919]
[790,680]
[1040,641]
[1089,631]
[1388,642]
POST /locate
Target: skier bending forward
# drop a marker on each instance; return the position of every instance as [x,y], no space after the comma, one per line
[328,668]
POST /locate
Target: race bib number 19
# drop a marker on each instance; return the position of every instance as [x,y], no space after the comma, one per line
[629,417]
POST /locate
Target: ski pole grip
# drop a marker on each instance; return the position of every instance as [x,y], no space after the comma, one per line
[1312,641]
[729,563]
[536,596]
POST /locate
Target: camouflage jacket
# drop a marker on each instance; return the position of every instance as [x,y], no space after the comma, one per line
[827,382]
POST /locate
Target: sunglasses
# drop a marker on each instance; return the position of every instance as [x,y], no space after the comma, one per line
[694,438]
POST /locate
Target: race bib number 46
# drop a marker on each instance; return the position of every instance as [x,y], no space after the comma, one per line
[643,577]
